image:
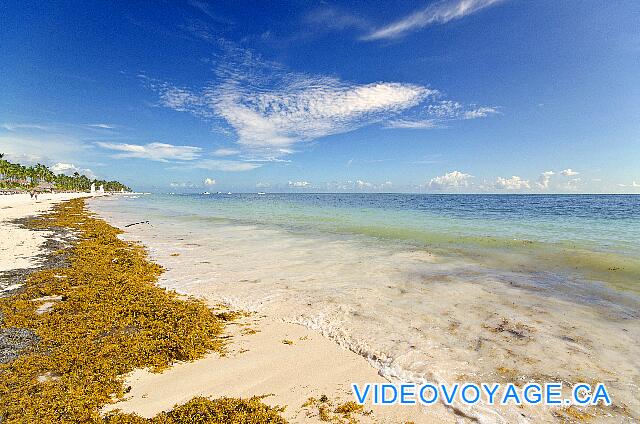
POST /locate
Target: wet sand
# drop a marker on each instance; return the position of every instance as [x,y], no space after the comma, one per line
[265,356]
[407,314]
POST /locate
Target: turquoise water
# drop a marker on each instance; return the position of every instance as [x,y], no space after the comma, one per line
[425,287]
[595,236]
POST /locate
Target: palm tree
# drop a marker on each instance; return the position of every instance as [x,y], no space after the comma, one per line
[16,175]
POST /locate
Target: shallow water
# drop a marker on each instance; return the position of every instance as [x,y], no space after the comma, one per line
[438,288]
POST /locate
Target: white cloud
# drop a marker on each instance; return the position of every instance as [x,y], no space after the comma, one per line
[102,126]
[412,124]
[513,183]
[225,152]
[452,179]
[367,186]
[209,181]
[436,13]
[307,109]
[569,172]
[263,185]
[544,179]
[70,169]
[448,110]
[270,113]
[10,126]
[299,184]
[270,109]
[632,185]
[225,165]
[357,185]
[44,148]
[333,19]
[573,184]
[182,184]
[480,112]
[363,185]
[161,152]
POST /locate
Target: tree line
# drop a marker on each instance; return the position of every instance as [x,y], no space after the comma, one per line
[16,176]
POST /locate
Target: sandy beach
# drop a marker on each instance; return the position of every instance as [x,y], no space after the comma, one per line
[19,246]
[292,363]
[265,356]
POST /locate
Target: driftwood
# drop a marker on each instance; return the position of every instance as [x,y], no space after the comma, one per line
[136,223]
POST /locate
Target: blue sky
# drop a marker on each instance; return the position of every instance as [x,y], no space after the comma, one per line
[415,96]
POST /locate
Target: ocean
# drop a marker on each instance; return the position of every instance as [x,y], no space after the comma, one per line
[481,288]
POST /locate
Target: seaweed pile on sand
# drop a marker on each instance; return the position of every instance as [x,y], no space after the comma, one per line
[98,317]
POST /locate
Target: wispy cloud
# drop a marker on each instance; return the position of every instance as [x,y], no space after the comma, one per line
[358,185]
[334,19]
[299,184]
[182,184]
[11,126]
[226,165]
[225,152]
[437,115]
[412,124]
[449,110]
[209,182]
[632,185]
[102,126]
[298,108]
[161,152]
[46,148]
[439,12]
[270,109]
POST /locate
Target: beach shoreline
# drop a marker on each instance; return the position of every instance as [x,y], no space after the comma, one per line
[19,247]
[461,322]
[287,362]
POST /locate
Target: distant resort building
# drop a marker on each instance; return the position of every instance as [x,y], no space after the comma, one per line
[45,186]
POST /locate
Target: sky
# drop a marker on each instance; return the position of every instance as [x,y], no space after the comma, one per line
[450,96]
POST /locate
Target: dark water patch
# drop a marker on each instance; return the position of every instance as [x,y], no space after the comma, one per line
[14,340]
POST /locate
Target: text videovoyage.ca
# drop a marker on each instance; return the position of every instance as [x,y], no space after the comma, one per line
[550,393]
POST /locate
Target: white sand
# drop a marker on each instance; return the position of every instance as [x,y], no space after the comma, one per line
[19,246]
[261,364]
[256,364]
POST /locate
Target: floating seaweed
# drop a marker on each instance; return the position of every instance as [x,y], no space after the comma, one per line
[110,319]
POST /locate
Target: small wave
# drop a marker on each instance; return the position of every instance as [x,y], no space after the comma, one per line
[388,367]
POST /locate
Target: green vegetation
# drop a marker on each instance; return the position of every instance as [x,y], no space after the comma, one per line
[109,318]
[16,176]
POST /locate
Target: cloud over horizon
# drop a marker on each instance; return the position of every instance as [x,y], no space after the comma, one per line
[513,183]
[454,179]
